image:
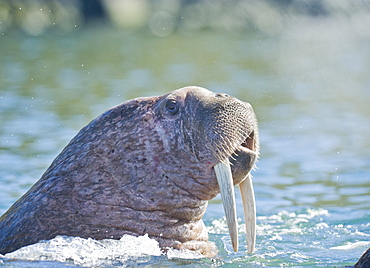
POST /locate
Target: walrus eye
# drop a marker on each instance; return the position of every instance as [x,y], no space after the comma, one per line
[172,106]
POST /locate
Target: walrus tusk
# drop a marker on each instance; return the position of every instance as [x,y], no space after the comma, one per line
[225,182]
[249,205]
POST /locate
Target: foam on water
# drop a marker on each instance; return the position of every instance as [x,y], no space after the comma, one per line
[90,252]
[305,237]
[353,245]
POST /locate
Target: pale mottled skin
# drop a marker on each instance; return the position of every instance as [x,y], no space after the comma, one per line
[138,168]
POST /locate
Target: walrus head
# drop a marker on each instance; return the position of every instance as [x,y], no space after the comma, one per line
[147,166]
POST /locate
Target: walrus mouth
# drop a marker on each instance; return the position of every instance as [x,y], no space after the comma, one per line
[225,181]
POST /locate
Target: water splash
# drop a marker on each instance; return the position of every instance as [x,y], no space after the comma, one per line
[306,237]
[89,252]
[93,253]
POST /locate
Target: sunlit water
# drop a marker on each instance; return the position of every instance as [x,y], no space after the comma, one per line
[309,85]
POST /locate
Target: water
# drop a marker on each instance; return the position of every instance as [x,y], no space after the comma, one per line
[309,84]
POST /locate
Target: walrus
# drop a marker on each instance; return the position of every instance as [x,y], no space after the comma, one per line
[146,166]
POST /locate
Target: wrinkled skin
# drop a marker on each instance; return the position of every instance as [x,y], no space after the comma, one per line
[143,167]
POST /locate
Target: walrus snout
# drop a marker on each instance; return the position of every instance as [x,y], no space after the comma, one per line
[219,123]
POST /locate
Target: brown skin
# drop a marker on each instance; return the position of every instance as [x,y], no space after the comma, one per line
[143,167]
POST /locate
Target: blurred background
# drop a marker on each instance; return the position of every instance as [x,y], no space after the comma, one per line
[165,17]
[303,65]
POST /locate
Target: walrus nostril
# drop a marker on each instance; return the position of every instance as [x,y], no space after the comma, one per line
[221,95]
